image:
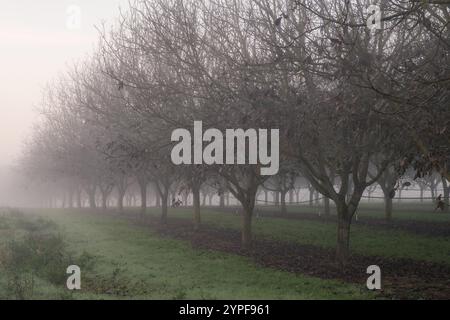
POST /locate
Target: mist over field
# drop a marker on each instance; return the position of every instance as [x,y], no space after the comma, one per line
[224,149]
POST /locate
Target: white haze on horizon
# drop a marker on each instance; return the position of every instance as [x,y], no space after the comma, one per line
[35,46]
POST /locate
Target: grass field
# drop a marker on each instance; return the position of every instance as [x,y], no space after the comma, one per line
[122,260]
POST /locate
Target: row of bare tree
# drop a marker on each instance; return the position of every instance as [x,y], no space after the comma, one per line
[354,106]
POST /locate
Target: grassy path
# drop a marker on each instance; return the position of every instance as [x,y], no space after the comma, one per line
[133,262]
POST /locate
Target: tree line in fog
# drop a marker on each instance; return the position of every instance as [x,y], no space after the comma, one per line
[355,107]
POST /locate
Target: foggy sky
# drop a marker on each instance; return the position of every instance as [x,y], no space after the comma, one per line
[36,45]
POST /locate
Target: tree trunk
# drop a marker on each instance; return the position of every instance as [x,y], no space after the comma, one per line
[164,207]
[184,196]
[326,202]
[210,197]
[276,195]
[446,194]
[388,202]
[143,189]
[204,200]
[283,203]
[91,195]
[120,197]
[350,189]
[247,198]
[388,207]
[158,200]
[291,196]
[79,204]
[104,202]
[343,235]
[70,198]
[311,197]
[222,199]
[421,194]
[105,195]
[247,228]
[196,203]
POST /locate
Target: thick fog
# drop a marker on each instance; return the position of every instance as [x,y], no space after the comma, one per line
[224,149]
[38,39]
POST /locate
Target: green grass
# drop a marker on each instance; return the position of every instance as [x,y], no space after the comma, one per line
[125,261]
[133,262]
[364,240]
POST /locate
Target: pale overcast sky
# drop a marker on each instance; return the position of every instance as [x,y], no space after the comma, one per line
[37,41]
